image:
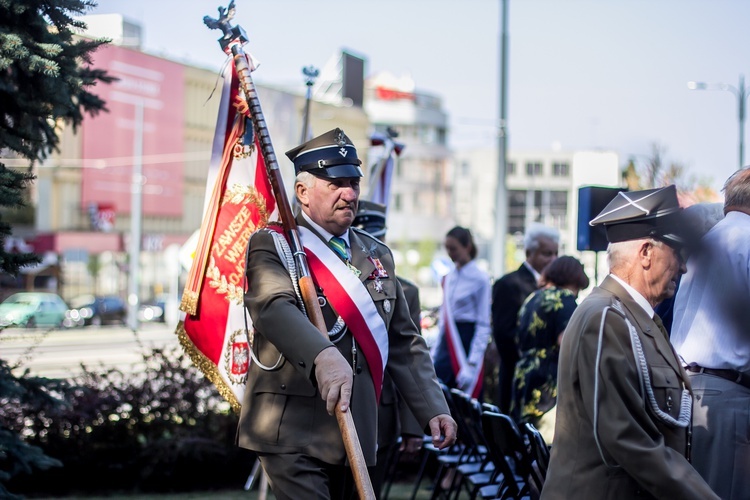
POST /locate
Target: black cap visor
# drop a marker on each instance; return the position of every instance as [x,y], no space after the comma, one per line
[667,228]
[335,172]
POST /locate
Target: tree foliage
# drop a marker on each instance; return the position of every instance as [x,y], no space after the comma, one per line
[16,455]
[653,172]
[46,78]
[12,186]
[45,73]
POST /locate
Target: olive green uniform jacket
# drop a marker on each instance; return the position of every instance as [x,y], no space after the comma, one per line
[645,458]
[282,411]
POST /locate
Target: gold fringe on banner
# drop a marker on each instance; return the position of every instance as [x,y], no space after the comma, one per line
[207,367]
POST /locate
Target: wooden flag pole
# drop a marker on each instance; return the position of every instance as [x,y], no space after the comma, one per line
[232,41]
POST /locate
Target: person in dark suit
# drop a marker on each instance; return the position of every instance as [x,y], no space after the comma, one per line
[398,429]
[541,245]
[624,400]
[299,376]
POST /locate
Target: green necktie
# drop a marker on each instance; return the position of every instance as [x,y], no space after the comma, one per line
[339,246]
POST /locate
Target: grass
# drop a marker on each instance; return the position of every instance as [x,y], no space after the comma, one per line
[400,490]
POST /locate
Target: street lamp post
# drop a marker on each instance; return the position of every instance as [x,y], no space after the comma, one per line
[741,93]
[136,216]
[501,191]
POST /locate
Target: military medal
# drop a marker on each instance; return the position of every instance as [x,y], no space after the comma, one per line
[378,285]
[353,269]
[387,306]
[379,271]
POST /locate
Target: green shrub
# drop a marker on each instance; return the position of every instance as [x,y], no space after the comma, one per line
[165,429]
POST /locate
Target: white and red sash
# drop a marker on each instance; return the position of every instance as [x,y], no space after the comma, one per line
[452,338]
[351,300]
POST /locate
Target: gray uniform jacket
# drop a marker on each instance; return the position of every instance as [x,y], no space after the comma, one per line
[282,411]
[646,457]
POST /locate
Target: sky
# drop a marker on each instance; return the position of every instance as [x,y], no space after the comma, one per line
[582,74]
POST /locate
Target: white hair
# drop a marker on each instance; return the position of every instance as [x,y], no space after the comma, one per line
[305,178]
[703,216]
[535,232]
[621,253]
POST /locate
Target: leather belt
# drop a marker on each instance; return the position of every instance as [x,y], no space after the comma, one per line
[732,375]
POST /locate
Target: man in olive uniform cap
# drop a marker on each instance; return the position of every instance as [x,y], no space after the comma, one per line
[624,403]
[299,376]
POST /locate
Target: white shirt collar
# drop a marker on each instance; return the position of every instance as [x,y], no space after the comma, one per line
[639,299]
[533,271]
[325,234]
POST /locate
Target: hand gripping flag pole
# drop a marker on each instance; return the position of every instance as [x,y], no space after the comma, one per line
[232,42]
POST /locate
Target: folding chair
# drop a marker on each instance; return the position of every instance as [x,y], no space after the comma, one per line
[482,469]
[444,459]
[539,449]
[509,455]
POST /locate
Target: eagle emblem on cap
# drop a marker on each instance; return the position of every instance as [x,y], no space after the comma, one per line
[341,142]
[340,138]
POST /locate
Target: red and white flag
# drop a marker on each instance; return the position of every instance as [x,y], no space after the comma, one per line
[239,201]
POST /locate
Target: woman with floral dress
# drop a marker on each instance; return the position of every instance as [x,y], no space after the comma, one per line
[541,322]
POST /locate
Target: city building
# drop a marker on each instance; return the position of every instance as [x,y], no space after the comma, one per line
[542,187]
[161,120]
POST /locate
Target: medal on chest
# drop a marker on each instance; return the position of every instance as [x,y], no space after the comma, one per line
[353,269]
[377,274]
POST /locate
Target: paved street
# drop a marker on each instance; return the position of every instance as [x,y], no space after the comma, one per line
[59,353]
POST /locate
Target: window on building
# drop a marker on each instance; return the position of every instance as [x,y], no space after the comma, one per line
[397,202]
[441,136]
[516,211]
[558,208]
[427,134]
[533,169]
[510,168]
[560,169]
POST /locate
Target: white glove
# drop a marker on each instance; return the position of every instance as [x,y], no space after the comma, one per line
[466,377]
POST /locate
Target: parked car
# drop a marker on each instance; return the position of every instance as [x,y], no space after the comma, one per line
[31,309]
[88,310]
[152,311]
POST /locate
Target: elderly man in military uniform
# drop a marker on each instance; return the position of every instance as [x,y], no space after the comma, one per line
[300,375]
[624,403]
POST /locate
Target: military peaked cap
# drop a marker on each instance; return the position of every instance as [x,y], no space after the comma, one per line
[331,155]
[651,213]
[371,218]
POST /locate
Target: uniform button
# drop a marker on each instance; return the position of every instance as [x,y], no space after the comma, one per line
[302,364]
[283,387]
[359,369]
